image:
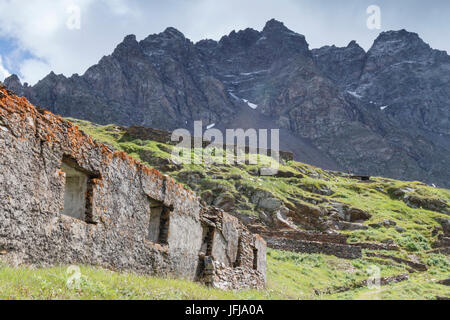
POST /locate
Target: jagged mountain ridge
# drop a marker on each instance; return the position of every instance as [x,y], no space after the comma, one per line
[381,112]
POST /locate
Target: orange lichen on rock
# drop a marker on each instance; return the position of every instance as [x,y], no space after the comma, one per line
[97,182]
[53,127]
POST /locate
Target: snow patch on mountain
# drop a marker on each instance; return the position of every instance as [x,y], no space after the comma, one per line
[254,72]
[234,96]
[251,105]
[354,94]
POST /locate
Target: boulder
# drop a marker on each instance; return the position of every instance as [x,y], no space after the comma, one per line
[389,223]
[342,225]
[350,214]
[282,220]
[208,197]
[445,223]
[270,204]
[225,201]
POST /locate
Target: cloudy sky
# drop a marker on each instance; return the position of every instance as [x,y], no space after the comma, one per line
[38,36]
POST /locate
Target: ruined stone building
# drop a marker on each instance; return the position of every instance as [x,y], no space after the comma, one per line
[67,199]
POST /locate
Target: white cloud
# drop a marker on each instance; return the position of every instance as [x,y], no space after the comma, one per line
[3,72]
[34,70]
[40,26]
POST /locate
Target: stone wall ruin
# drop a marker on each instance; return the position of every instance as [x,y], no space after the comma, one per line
[66,199]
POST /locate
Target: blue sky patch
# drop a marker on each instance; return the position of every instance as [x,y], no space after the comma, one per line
[12,55]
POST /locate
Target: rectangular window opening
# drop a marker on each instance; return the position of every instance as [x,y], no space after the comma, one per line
[255,259]
[159,224]
[209,239]
[78,191]
[238,261]
[75,190]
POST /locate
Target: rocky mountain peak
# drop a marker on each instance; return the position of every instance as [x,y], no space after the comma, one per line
[11,80]
[242,38]
[13,83]
[278,38]
[127,46]
[52,75]
[174,33]
[169,43]
[393,35]
[402,44]
[341,64]
[274,25]
[168,37]
[354,44]
[131,38]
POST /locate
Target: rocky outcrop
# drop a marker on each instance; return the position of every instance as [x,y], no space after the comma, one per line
[338,250]
[443,242]
[445,223]
[378,246]
[405,74]
[67,199]
[342,65]
[417,266]
[304,235]
[414,200]
[383,281]
[445,282]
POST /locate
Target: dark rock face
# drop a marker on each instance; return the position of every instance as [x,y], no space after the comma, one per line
[403,73]
[342,65]
[381,112]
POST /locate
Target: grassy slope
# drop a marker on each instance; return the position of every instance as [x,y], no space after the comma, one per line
[374,198]
[290,275]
